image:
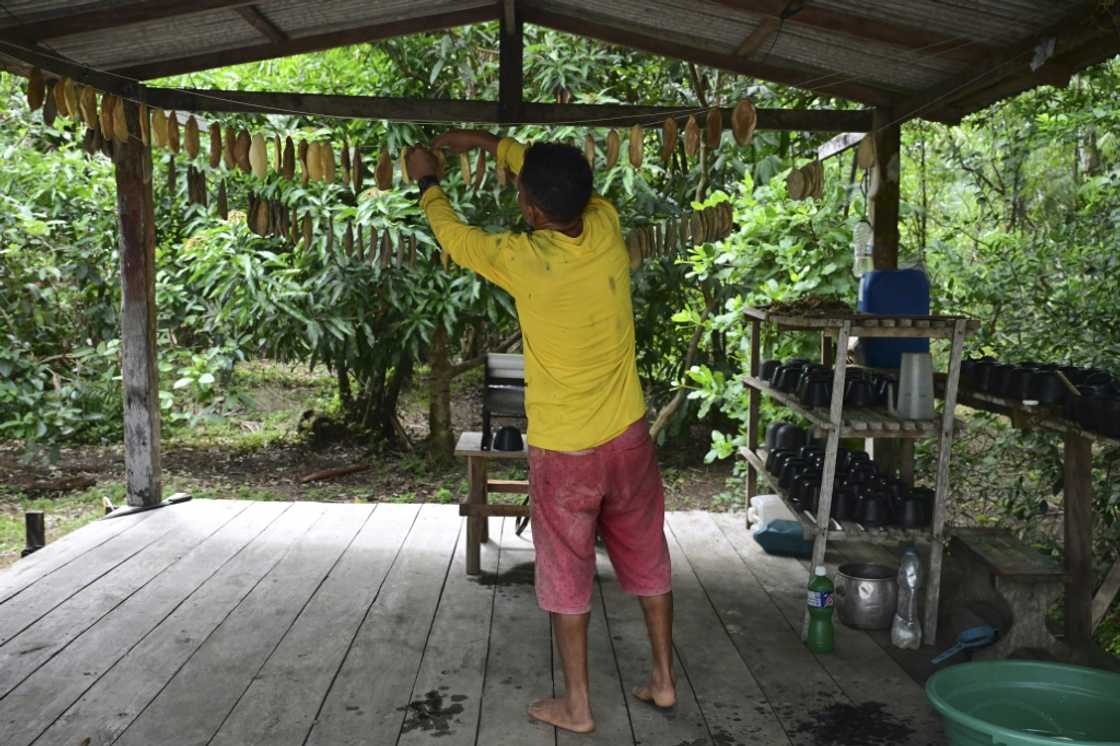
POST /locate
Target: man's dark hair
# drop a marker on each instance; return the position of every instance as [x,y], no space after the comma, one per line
[558,180]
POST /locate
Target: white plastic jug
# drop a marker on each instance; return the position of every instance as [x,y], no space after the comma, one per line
[915,387]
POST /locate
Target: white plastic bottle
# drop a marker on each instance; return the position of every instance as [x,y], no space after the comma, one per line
[906,630]
[863,242]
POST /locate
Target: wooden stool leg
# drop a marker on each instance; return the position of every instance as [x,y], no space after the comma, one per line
[476,524]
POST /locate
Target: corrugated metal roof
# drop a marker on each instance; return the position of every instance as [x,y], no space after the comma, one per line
[882,50]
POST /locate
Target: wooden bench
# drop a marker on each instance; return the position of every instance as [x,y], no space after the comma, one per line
[476,508]
[1000,573]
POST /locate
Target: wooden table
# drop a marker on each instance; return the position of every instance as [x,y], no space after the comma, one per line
[476,508]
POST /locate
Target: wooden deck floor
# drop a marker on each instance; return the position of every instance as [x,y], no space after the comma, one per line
[228,622]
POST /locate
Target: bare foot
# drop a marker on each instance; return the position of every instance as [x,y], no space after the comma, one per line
[559,712]
[656,693]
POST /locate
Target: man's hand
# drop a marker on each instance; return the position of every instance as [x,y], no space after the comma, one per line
[460,141]
[421,163]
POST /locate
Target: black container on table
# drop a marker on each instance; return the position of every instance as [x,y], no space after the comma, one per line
[1002,380]
[772,429]
[789,470]
[1023,384]
[817,391]
[787,377]
[844,501]
[860,393]
[790,436]
[768,369]
[872,509]
[780,462]
[1108,415]
[1051,390]
[806,492]
[913,512]
[772,459]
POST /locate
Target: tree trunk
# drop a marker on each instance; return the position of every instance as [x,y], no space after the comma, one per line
[442,439]
[345,395]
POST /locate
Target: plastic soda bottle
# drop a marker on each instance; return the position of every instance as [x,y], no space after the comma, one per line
[820,612]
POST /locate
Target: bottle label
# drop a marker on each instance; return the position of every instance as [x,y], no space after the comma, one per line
[820,599]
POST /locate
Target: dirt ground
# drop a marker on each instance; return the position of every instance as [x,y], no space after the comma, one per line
[261,453]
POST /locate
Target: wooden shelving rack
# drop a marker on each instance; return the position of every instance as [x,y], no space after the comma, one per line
[836,423]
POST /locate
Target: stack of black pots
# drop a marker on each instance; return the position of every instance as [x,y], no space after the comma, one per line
[1097,408]
[860,494]
[812,383]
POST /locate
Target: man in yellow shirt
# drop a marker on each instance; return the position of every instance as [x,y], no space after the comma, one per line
[592,465]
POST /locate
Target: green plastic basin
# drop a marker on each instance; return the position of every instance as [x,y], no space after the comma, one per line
[1027,703]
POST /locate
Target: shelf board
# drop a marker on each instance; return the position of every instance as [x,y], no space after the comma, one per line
[860,423]
[1042,416]
[869,325]
[838,530]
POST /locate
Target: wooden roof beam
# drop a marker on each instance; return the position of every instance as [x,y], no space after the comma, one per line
[819,81]
[484,11]
[485,112]
[258,20]
[803,13]
[759,36]
[942,101]
[98,20]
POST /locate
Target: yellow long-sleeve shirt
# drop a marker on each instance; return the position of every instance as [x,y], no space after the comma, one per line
[573,304]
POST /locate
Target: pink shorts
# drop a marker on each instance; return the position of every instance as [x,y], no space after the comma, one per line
[614,490]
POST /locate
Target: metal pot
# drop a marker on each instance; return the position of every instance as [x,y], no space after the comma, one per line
[866,595]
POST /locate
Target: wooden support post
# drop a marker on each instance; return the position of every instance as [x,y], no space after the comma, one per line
[1106,594]
[832,448]
[511,77]
[1078,540]
[884,191]
[135,212]
[941,488]
[35,528]
[476,524]
[755,404]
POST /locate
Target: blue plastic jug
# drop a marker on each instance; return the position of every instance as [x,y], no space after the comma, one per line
[893,292]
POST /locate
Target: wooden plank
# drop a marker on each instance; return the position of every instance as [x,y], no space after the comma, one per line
[883,198]
[470,444]
[35,601]
[1106,594]
[483,11]
[509,486]
[447,696]
[360,707]
[258,20]
[796,687]
[139,372]
[511,74]
[281,702]
[839,144]
[865,673]
[1078,547]
[58,554]
[115,17]
[454,111]
[913,39]
[495,511]
[105,678]
[758,36]
[604,28]
[1004,554]
[610,701]
[196,701]
[519,661]
[684,724]
[21,654]
[733,703]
